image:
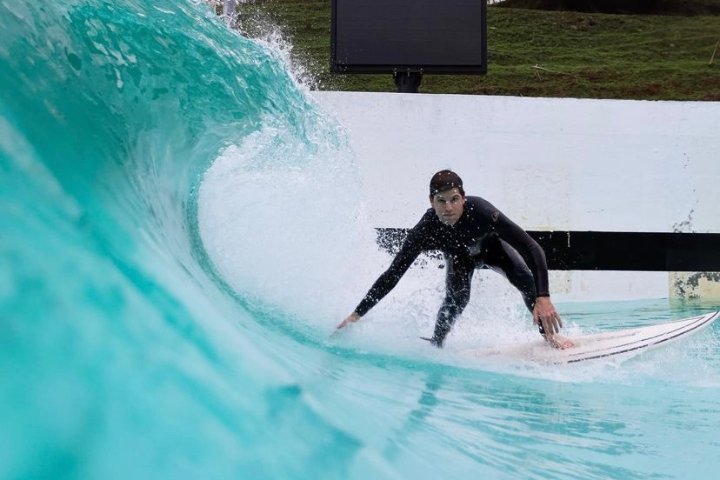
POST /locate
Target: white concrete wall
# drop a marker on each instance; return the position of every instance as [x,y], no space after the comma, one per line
[549,164]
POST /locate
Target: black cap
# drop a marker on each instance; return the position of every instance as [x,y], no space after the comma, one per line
[445,180]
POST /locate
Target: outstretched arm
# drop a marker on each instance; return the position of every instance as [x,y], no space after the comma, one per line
[386,282]
[380,288]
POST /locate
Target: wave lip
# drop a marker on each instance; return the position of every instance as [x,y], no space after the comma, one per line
[122,352]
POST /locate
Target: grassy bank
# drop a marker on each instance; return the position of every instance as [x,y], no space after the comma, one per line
[536,53]
[657,7]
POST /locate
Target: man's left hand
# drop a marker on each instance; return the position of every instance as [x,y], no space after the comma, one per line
[544,314]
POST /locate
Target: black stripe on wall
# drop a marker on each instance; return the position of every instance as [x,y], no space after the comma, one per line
[646,251]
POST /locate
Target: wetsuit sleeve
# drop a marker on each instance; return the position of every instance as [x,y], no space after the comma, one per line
[409,251]
[528,248]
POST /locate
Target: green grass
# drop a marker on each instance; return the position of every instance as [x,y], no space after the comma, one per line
[535,53]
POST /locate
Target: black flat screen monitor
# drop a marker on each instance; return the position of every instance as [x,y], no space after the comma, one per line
[425,36]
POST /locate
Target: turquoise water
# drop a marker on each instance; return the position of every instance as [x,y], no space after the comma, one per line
[133,346]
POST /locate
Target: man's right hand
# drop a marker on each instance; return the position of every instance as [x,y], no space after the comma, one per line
[352,318]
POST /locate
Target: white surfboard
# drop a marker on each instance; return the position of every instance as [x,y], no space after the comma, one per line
[620,343]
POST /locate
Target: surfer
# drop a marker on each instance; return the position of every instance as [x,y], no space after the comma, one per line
[471,233]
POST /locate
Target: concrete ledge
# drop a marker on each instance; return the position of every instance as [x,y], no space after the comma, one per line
[549,164]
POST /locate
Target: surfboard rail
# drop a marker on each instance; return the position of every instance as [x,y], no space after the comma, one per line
[678,329]
[604,344]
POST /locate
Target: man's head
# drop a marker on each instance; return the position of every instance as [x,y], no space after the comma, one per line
[447,196]
[445,180]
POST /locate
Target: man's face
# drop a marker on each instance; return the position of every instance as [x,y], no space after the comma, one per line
[448,205]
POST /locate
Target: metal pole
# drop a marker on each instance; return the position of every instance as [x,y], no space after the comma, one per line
[407,82]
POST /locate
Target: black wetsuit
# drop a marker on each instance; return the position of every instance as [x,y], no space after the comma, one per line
[482,238]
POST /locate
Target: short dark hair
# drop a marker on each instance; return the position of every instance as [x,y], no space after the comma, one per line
[446,180]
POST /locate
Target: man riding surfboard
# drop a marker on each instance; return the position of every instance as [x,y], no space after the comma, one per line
[471,233]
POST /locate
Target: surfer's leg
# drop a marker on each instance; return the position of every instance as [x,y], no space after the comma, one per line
[505,260]
[457,283]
